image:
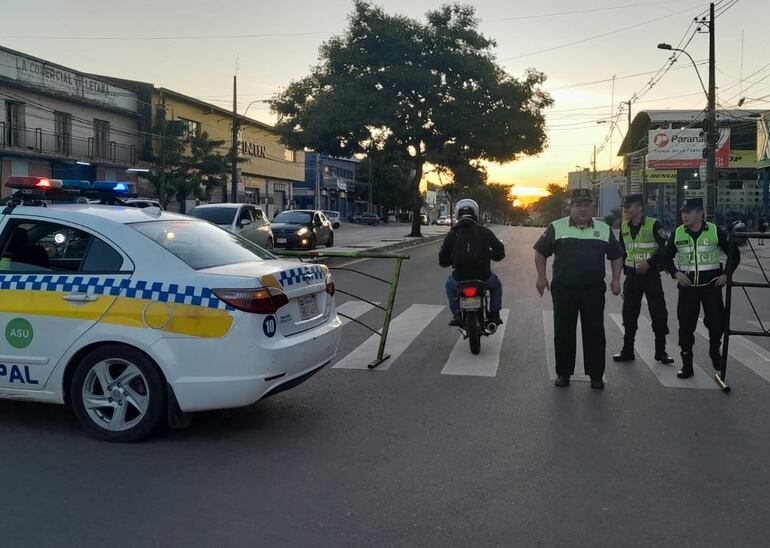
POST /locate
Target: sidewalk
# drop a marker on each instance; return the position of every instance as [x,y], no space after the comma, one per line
[383,238]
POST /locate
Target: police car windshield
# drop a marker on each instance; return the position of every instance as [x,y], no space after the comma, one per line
[201,245]
[216,215]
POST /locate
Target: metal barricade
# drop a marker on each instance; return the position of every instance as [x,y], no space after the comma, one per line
[728,331]
[393,287]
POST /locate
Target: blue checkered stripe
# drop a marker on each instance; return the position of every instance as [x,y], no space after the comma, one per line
[103,285]
[297,275]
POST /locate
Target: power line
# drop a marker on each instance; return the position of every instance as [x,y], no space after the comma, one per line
[177,37]
[576,12]
[597,36]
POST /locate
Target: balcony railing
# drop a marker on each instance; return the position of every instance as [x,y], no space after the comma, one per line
[65,146]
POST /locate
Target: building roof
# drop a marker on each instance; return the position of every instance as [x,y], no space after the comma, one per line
[645,119]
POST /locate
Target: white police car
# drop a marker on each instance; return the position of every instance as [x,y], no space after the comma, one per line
[132,315]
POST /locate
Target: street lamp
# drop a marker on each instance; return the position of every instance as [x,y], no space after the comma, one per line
[668,47]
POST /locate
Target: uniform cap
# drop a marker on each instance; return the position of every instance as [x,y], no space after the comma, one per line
[692,203]
[631,199]
[581,195]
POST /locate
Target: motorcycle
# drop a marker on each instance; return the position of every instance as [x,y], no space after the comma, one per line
[473,296]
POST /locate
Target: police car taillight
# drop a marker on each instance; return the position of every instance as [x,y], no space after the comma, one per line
[265,300]
[32,183]
[330,289]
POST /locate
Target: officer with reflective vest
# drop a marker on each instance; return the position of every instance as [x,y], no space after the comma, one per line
[699,274]
[581,246]
[642,238]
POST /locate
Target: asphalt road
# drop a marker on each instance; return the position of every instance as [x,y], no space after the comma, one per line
[424,451]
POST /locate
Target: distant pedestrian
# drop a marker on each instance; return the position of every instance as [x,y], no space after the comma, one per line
[763,227]
[580,245]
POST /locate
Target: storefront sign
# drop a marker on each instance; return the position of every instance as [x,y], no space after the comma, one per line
[683,148]
[253,149]
[763,141]
[743,158]
[63,82]
[661,176]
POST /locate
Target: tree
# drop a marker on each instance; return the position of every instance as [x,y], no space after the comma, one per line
[186,165]
[552,207]
[431,90]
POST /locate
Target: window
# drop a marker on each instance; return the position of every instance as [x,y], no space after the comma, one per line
[16,124]
[191,128]
[63,123]
[246,215]
[289,155]
[101,138]
[200,245]
[40,246]
[216,215]
[736,185]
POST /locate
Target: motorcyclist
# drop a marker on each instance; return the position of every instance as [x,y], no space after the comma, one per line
[468,249]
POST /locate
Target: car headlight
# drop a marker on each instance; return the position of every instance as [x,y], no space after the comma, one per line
[302,231]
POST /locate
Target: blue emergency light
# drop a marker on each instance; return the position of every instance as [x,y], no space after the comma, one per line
[111,186]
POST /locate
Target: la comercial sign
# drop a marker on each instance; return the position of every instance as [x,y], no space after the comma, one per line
[683,148]
[61,81]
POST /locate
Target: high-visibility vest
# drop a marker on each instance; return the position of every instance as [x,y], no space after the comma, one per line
[642,247]
[696,256]
[564,229]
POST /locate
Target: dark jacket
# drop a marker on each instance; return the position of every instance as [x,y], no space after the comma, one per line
[495,251]
[732,262]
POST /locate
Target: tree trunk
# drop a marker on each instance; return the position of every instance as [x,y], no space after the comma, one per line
[417,200]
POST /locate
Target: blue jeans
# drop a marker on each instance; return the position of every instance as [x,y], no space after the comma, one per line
[495,291]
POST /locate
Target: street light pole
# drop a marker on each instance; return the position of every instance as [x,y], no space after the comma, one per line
[712,135]
[234,186]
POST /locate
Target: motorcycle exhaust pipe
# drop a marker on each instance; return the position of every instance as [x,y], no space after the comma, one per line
[491,327]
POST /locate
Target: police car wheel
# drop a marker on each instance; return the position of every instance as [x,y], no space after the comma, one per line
[118,394]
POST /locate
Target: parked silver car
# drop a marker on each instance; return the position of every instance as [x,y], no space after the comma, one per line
[245,220]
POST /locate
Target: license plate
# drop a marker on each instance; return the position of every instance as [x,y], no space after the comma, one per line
[470,303]
[308,307]
[280,240]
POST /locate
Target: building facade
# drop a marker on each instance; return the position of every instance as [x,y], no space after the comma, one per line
[60,123]
[330,184]
[663,156]
[267,170]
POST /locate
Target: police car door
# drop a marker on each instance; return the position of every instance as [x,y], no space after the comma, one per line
[56,281]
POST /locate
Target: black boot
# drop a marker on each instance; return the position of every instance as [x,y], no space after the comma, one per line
[627,353]
[457,321]
[686,372]
[660,351]
[715,354]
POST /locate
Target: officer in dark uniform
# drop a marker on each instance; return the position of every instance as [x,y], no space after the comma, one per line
[699,274]
[642,238]
[580,245]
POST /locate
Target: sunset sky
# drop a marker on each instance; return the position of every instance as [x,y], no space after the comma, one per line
[189,46]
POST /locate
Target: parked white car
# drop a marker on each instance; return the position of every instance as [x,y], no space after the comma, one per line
[246,220]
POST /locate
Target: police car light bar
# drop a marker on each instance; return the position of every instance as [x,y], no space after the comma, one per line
[73,184]
[111,186]
[32,183]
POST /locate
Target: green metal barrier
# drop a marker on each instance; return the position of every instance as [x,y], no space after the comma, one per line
[393,286]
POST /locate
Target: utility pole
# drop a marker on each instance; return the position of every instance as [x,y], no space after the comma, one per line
[234,176]
[162,152]
[712,134]
[629,103]
[369,204]
[594,182]
[317,189]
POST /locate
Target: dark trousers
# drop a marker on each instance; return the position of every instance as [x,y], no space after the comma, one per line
[634,288]
[568,302]
[688,310]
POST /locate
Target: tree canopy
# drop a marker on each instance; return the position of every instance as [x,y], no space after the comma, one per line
[431,90]
[553,206]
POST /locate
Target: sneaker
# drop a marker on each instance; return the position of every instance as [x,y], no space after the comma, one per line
[457,321]
[597,384]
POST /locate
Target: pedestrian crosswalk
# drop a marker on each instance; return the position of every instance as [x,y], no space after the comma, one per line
[407,327]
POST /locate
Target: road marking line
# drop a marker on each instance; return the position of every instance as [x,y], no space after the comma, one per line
[404,329]
[485,364]
[644,345]
[354,309]
[550,350]
[745,352]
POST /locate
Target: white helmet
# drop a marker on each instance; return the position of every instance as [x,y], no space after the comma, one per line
[467,208]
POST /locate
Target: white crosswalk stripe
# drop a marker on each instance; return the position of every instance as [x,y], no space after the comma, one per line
[353,309]
[746,353]
[550,350]
[404,329]
[462,363]
[644,345]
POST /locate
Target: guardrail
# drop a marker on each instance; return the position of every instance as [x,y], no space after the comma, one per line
[764,331]
[392,284]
